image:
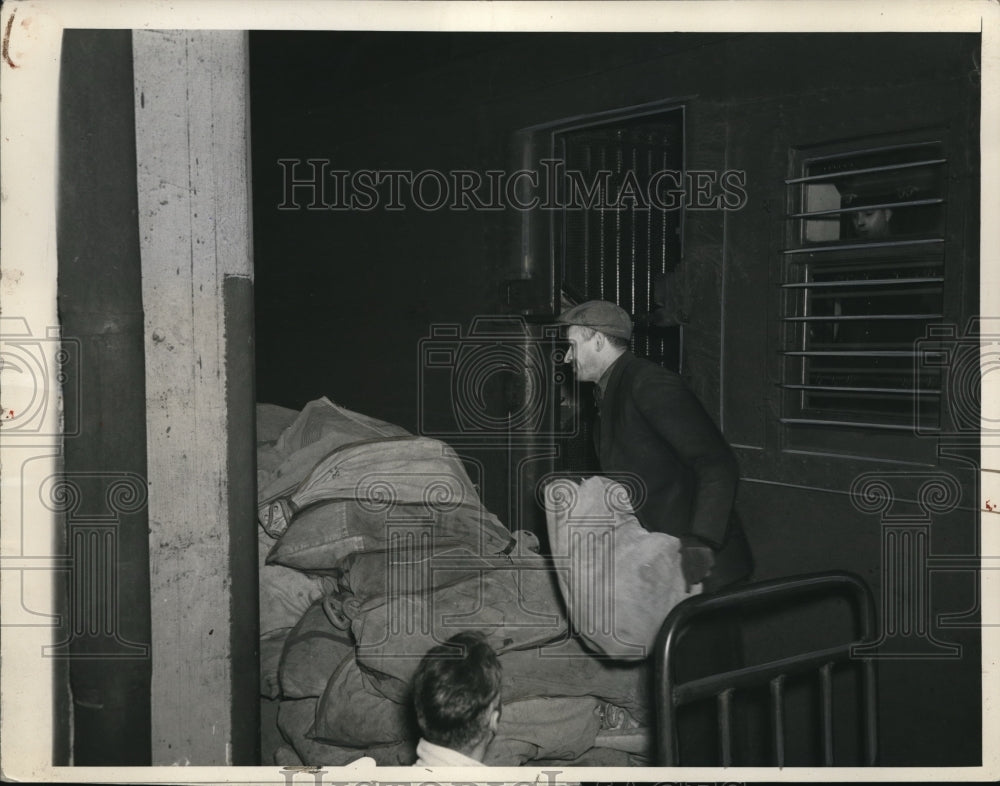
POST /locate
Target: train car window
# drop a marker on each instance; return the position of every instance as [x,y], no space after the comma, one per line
[618,235]
[863,278]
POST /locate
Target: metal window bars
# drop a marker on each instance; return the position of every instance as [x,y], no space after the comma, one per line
[769,595]
[857,296]
[615,251]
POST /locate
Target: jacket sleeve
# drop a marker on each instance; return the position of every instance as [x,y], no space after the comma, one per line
[674,413]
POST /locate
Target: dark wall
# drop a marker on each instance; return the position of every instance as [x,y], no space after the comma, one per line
[343,298]
[100,310]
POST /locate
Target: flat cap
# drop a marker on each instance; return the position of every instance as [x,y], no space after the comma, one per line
[600,315]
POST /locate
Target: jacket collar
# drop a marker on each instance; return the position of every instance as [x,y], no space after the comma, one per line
[615,372]
[612,377]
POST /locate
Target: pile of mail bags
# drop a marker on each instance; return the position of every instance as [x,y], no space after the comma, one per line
[375,546]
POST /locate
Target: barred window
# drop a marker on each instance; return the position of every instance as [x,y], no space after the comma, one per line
[618,248]
[863,278]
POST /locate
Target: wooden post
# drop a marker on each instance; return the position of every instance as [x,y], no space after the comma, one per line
[191,103]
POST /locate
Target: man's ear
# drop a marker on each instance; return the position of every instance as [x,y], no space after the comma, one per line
[495,715]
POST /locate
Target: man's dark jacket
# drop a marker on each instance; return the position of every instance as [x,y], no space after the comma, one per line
[653,426]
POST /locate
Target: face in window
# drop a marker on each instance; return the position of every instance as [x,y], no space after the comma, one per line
[872,224]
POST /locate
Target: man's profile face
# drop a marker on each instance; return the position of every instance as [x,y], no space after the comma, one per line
[583,354]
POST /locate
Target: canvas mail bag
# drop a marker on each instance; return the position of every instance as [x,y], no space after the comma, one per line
[619,580]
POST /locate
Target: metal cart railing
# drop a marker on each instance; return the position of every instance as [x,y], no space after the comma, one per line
[767,596]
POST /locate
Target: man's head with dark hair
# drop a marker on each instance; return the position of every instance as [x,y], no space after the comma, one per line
[456,693]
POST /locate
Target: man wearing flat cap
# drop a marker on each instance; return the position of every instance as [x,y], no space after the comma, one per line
[653,426]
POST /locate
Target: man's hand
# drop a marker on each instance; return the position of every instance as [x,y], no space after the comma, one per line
[697,560]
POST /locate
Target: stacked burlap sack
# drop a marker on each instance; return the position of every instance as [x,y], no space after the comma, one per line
[375,547]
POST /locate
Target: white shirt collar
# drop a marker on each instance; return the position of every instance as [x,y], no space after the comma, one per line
[431,755]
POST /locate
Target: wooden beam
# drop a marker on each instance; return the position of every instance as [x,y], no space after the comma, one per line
[191,137]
